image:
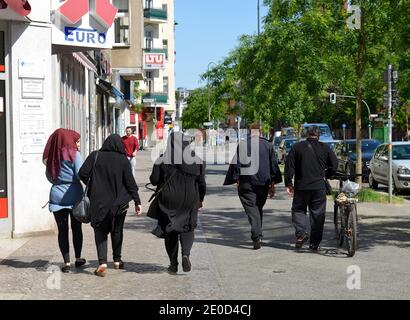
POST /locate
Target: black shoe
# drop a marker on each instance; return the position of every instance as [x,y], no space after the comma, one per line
[257,245]
[300,241]
[66,269]
[80,262]
[186,264]
[314,247]
[119,265]
[172,269]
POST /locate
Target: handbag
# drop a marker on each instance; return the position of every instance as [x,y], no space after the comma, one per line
[329,190]
[81,210]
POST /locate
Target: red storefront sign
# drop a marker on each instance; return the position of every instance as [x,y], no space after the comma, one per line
[102,10]
[21,7]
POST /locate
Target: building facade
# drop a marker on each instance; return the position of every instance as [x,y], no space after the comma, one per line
[159,71]
[53,74]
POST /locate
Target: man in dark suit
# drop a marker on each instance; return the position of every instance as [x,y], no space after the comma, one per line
[309,162]
[256,171]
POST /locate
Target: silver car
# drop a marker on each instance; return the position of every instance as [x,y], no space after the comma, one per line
[379,166]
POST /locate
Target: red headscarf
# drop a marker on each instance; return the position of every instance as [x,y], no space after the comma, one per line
[60,146]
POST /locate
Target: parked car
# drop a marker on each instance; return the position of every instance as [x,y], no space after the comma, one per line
[346,153]
[276,144]
[284,149]
[325,132]
[379,166]
[288,132]
[332,144]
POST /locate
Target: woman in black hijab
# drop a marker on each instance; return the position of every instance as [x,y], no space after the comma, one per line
[180,175]
[112,187]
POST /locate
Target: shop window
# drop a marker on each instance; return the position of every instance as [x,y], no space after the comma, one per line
[122,23]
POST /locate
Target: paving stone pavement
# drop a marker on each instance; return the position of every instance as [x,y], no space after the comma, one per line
[224,265]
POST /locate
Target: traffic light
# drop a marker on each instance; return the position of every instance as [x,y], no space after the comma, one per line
[333,98]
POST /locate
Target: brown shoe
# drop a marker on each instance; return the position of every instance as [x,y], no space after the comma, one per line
[300,241]
[100,272]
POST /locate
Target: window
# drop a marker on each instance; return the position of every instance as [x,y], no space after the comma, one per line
[149,39]
[149,4]
[165,47]
[166,87]
[149,81]
[122,23]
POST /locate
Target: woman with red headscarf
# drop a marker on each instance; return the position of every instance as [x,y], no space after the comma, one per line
[63,161]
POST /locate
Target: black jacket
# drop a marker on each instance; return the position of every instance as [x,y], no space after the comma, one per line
[268,170]
[179,199]
[112,184]
[309,166]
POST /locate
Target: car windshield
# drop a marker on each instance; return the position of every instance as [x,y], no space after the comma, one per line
[367,146]
[324,131]
[401,152]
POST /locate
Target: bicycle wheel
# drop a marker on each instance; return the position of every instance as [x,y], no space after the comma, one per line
[336,220]
[351,231]
[341,225]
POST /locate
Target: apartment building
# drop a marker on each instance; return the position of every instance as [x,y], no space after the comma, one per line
[159,72]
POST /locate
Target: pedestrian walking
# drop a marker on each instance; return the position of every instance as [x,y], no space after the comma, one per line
[309,163]
[63,162]
[256,178]
[112,187]
[131,148]
[180,179]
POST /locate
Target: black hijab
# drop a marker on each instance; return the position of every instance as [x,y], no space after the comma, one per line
[113,144]
[179,154]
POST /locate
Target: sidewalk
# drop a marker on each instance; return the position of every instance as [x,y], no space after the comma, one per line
[224,265]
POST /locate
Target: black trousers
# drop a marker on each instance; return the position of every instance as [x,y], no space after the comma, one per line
[253,199]
[61,218]
[316,201]
[113,224]
[172,240]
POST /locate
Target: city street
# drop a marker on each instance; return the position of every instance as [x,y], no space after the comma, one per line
[224,264]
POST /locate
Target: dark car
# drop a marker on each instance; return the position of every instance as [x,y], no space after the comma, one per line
[346,154]
[284,149]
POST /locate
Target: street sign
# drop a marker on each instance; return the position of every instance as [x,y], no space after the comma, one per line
[148,100]
[208,124]
[344,126]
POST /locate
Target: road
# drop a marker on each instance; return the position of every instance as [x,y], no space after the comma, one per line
[224,264]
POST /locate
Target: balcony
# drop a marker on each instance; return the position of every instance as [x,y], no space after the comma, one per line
[153,98]
[152,50]
[156,15]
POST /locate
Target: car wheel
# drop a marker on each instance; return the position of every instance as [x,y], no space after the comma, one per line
[396,191]
[373,183]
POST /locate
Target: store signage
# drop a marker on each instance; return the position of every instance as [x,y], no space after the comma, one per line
[32,68]
[154,60]
[32,88]
[22,7]
[102,10]
[84,23]
[33,127]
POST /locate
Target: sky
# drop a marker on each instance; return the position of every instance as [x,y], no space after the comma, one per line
[207,31]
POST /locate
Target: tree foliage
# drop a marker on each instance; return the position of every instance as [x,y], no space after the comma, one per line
[285,74]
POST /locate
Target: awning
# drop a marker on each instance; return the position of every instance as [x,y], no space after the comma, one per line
[108,88]
[21,7]
[82,58]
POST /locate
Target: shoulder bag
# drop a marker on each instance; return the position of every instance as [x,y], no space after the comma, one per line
[81,210]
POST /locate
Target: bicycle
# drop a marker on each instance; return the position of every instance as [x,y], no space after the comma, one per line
[345,214]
